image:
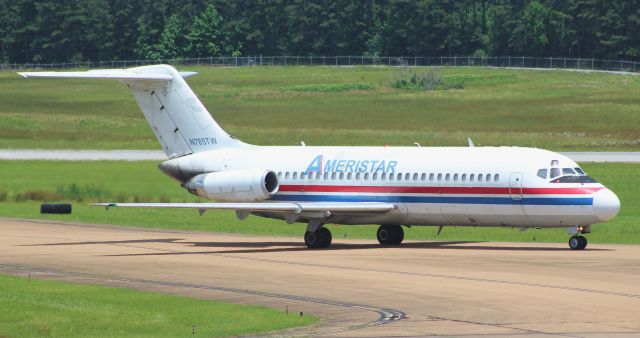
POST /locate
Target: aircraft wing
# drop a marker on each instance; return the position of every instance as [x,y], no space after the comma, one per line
[288,208]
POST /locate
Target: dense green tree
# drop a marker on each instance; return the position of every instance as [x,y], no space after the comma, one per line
[208,35]
[530,36]
[125,28]
[77,30]
[173,40]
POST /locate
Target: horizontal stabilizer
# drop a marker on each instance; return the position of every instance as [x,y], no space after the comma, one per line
[118,74]
[356,207]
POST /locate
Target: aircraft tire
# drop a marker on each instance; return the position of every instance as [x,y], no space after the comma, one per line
[384,235]
[321,238]
[577,242]
[399,235]
[583,243]
[312,240]
[390,234]
[325,236]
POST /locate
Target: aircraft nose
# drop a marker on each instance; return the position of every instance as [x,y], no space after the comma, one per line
[605,204]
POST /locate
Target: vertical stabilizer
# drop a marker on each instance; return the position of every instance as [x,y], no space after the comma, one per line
[178,119]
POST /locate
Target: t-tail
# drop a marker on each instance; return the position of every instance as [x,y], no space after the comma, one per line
[178,119]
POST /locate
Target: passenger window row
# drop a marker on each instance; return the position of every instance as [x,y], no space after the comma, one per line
[415,177]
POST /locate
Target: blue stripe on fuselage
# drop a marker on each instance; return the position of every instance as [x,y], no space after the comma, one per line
[432,199]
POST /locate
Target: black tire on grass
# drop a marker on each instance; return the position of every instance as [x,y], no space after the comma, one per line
[63,208]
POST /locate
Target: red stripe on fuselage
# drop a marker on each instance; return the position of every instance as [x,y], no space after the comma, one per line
[434,190]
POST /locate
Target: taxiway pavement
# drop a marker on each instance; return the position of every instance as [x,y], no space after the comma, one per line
[356,287]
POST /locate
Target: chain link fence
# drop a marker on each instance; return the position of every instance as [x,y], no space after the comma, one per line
[449,61]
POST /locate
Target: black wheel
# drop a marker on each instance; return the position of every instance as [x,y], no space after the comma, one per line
[384,235]
[399,235]
[577,242]
[390,234]
[321,238]
[325,236]
[583,242]
[312,240]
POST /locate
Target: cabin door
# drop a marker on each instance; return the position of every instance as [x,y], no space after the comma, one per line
[515,186]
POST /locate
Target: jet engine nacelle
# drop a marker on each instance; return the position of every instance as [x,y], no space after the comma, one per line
[235,185]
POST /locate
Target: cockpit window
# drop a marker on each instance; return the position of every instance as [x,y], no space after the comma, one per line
[580,171]
[555,172]
[542,173]
[574,179]
[568,171]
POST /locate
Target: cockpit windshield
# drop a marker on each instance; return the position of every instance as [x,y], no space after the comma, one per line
[564,175]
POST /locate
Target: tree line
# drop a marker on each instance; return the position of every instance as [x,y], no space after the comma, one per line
[94,30]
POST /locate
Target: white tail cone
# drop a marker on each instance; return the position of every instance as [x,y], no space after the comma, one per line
[605,204]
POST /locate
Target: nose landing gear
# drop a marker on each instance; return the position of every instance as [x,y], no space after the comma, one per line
[577,242]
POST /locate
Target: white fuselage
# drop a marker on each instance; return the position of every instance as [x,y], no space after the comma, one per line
[462,186]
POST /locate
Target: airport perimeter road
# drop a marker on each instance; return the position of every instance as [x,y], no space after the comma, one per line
[143,155]
[357,288]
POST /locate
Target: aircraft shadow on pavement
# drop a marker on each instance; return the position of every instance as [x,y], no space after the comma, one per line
[289,246]
[128,241]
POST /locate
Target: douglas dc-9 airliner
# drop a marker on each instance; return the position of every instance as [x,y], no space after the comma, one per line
[390,186]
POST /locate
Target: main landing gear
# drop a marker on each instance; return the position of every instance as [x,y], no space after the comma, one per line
[390,234]
[317,236]
[577,242]
[321,238]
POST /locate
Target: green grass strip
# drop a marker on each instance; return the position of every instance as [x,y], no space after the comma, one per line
[41,308]
[85,182]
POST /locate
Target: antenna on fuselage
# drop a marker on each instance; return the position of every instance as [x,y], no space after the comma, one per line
[417,144]
[302,144]
[470,142]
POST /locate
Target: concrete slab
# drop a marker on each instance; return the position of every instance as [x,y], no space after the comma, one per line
[357,288]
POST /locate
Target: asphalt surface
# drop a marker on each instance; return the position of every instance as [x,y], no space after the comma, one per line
[357,288]
[144,155]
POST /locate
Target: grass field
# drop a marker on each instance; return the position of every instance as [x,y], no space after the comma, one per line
[340,106]
[26,182]
[39,308]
